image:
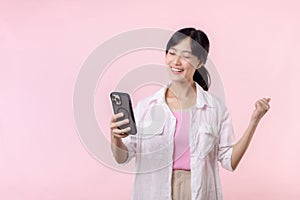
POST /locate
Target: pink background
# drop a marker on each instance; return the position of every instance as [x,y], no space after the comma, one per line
[254,45]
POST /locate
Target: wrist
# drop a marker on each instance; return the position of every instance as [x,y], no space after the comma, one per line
[254,122]
[115,139]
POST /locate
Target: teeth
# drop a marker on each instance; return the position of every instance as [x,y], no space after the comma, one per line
[176,70]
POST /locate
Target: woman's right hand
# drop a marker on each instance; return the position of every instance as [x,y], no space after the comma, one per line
[115,131]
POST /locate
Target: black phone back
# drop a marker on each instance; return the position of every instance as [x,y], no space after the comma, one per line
[121,102]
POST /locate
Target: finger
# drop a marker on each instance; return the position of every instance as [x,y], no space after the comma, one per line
[263,105]
[265,100]
[122,135]
[266,103]
[119,123]
[117,116]
[120,131]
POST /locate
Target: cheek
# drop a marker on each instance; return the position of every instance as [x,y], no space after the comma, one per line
[167,59]
[190,68]
[194,62]
[190,64]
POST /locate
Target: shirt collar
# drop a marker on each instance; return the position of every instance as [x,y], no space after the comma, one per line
[203,97]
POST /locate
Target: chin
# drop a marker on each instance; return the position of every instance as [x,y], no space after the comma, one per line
[181,80]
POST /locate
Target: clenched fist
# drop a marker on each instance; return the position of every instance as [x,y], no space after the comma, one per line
[261,107]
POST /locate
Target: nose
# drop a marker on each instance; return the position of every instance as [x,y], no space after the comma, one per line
[176,60]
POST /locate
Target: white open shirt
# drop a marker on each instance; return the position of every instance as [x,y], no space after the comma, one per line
[211,140]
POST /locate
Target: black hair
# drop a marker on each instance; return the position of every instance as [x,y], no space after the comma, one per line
[200,48]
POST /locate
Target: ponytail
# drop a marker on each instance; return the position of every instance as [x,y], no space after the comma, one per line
[202,77]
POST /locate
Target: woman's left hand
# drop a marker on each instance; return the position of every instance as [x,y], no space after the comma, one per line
[261,107]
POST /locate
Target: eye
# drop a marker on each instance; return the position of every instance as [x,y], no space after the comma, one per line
[187,55]
[171,52]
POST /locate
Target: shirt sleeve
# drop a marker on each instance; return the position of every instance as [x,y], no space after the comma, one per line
[131,146]
[226,141]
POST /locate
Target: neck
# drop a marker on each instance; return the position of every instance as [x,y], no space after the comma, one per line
[183,90]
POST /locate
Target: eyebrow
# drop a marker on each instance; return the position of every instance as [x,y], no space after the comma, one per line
[185,51]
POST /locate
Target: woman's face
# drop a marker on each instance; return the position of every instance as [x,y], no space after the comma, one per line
[181,62]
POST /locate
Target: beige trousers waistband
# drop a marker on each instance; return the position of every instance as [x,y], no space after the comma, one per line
[181,185]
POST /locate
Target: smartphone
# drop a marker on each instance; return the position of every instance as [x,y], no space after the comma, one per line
[121,102]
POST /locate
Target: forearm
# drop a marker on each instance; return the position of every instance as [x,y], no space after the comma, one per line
[239,149]
[241,146]
[119,149]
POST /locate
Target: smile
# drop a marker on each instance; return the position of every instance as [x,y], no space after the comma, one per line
[176,70]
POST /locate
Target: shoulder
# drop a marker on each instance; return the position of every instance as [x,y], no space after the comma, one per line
[217,103]
[208,98]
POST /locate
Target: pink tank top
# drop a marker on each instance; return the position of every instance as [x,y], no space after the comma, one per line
[181,154]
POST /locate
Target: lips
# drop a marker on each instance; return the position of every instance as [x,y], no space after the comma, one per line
[176,69]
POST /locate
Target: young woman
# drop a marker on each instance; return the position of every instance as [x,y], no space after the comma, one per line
[180,159]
